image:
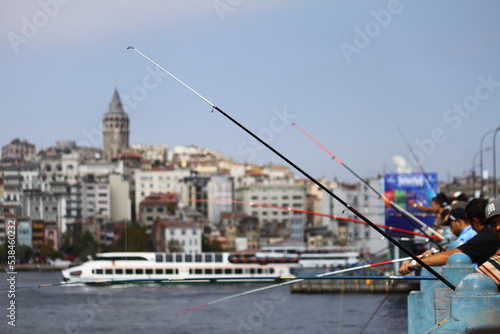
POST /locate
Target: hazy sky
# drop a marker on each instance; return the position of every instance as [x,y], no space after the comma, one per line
[350,73]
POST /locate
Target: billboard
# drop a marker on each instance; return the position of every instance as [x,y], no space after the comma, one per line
[403,188]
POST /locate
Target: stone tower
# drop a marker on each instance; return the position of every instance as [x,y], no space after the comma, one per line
[115,127]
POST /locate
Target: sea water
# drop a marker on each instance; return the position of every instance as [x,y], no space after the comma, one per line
[155,308]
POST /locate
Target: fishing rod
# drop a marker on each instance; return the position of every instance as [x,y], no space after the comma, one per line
[426,178]
[391,228]
[324,275]
[319,184]
[384,198]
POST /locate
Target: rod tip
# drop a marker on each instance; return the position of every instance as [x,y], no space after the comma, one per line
[130,47]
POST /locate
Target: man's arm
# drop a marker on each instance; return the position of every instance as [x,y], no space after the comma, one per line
[438,259]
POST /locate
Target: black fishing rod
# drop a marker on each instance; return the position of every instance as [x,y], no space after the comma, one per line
[406,214]
[312,179]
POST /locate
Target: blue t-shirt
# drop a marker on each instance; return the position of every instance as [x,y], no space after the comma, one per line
[466,234]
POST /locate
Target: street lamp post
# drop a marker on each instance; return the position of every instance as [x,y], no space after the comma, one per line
[481,160]
[494,163]
[474,164]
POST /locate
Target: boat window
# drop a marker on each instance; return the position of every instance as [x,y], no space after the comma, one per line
[178,258]
[139,271]
[259,271]
[218,271]
[188,258]
[218,257]
[208,271]
[119,271]
[228,271]
[272,270]
[159,257]
[208,257]
[149,271]
[98,271]
[159,271]
[252,271]
[169,271]
[198,271]
[197,258]
[169,258]
[129,271]
[109,271]
[238,271]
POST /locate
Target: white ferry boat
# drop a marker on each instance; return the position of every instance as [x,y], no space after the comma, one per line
[173,267]
[319,257]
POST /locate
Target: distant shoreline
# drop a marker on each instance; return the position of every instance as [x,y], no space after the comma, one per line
[33,267]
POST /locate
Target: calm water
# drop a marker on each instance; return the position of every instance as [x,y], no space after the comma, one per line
[152,309]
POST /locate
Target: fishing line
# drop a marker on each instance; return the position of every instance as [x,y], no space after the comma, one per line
[426,178]
[394,284]
[403,211]
[325,275]
[396,229]
[319,184]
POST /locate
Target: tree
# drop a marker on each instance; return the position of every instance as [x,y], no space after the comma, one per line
[133,239]
[47,251]
[86,245]
[3,254]
[174,246]
[24,253]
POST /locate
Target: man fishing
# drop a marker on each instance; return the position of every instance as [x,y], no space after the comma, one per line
[491,267]
[479,248]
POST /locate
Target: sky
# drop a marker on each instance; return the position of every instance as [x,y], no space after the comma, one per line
[368,80]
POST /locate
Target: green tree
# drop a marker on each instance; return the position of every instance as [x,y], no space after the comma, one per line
[3,254]
[86,245]
[174,246]
[24,253]
[133,239]
[47,251]
[205,244]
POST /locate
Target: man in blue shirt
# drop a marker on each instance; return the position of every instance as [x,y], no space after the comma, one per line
[460,226]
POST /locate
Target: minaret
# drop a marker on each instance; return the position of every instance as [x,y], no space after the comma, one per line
[115,128]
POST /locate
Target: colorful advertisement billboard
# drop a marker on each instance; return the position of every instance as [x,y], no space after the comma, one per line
[405,188]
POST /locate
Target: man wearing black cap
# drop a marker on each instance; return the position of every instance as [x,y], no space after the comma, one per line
[459,226]
[479,248]
[491,268]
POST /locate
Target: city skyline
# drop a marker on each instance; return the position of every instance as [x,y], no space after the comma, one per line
[350,74]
